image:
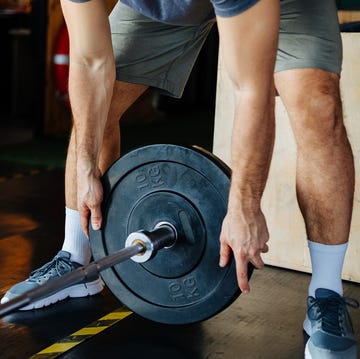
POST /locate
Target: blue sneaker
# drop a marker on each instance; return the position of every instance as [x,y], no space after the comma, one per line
[60,265]
[328,325]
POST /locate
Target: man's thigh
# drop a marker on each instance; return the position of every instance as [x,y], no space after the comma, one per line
[152,53]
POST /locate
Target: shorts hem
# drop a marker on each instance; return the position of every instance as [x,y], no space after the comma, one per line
[164,86]
[235,10]
[299,64]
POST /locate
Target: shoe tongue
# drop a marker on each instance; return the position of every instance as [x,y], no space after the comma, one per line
[63,254]
[325,293]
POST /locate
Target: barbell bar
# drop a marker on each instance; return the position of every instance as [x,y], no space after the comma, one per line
[141,246]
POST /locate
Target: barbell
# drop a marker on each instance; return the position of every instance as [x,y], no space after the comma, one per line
[163,207]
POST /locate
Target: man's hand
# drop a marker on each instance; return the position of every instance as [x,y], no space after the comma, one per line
[90,196]
[246,238]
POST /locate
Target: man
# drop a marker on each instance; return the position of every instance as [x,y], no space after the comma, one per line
[155,44]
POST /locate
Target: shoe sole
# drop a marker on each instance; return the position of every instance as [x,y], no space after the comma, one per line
[307,354]
[351,353]
[75,291]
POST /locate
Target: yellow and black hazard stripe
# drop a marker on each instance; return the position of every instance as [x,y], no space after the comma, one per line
[71,341]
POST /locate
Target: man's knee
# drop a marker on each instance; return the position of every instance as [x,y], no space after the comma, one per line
[322,109]
[316,109]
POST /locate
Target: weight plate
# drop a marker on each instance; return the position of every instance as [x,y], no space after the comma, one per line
[187,187]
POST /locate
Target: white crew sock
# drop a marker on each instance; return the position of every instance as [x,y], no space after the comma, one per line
[75,242]
[327,264]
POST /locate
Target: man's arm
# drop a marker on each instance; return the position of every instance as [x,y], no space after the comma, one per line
[249,43]
[91,81]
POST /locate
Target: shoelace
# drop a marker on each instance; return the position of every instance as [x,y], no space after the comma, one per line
[58,263]
[329,309]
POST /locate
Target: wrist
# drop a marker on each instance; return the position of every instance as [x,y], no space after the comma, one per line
[87,169]
[245,199]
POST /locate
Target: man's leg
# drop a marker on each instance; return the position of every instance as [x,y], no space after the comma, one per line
[325,188]
[76,249]
[325,168]
[307,79]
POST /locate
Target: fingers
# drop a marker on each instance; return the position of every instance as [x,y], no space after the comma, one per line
[254,256]
[90,196]
[242,262]
[225,253]
[241,266]
[242,275]
[265,249]
[84,219]
[257,262]
[95,217]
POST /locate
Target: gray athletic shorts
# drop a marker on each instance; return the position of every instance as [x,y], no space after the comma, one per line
[160,55]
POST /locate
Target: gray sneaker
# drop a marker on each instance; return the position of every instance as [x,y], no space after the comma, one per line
[328,325]
[60,265]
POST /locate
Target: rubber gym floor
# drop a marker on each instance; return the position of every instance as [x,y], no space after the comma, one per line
[267,323]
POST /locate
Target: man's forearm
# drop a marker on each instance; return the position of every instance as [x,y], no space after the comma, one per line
[92,75]
[248,43]
[90,90]
[251,151]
